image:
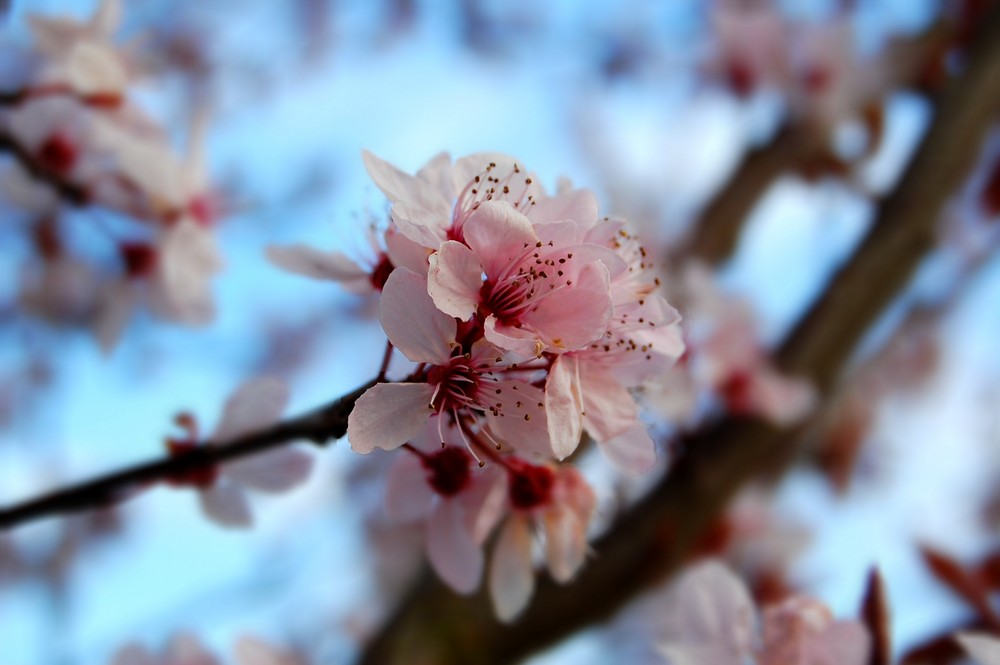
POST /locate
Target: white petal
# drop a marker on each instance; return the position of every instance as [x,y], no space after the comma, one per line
[408,497]
[96,68]
[454,280]
[565,543]
[578,205]
[388,415]
[226,505]
[405,253]
[277,471]
[305,260]
[456,558]
[710,609]
[114,314]
[512,577]
[256,404]
[188,259]
[107,18]
[633,452]
[610,410]
[563,407]
[403,187]
[983,648]
[411,321]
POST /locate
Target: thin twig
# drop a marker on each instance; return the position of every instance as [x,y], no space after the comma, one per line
[319,426]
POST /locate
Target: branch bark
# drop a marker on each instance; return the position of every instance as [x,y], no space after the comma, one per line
[653,538]
[319,426]
[716,234]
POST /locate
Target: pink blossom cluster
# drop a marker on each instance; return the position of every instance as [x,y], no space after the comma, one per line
[815,66]
[725,361]
[709,618]
[529,319]
[78,141]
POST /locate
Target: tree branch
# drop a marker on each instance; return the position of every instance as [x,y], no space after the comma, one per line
[325,423]
[716,233]
[653,538]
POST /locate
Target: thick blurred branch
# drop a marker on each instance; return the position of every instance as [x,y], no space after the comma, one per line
[653,538]
[325,423]
[716,232]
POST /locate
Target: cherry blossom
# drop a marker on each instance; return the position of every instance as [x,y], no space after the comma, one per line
[727,358]
[709,618]
[460,503]
[554,503]
[588,388]
[222,492]
[470,385]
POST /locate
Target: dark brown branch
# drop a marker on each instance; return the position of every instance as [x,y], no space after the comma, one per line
[327,422]
[716,234]
[652,539]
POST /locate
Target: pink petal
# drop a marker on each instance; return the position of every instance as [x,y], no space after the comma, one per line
[710,611]
[499,235]
[485,502]
[107,17]
[275,472]
[119,301]
[521,341]
[632,452]
[256,404]
[512,576]
[424,226]
[408,497]
[334,266]
[437,174]
[388,415]
[455,279]
[522,425]
[579,205]
[455,557]
[563,406]
[95,68]
[609,409]
[565,543]
[782,400]
[411,321]
[188,259]
[573,319]
[226,505]
[405,253]
[399,186]
[467,168]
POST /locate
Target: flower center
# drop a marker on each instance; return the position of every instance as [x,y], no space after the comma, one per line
[455,385]
[448,470]
[57,154]
[140,259]
[528,485]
